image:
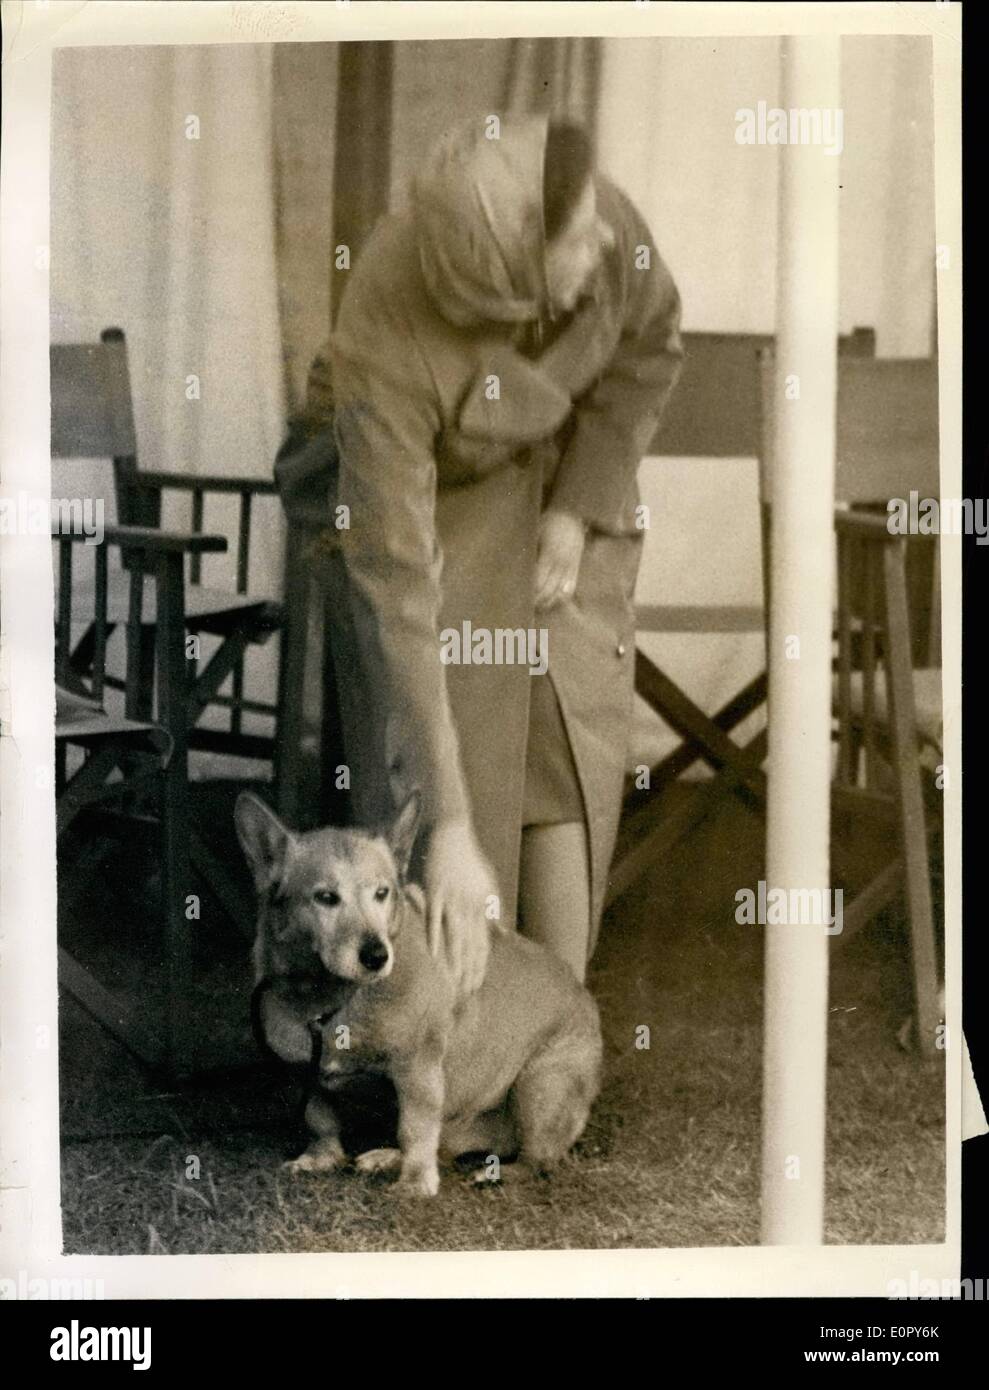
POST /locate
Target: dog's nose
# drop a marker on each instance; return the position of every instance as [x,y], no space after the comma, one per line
[373,953]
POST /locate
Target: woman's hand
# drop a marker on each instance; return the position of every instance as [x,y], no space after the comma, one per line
[458,882]
[561,546]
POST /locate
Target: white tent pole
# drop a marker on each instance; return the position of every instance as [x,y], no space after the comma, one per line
[796,974]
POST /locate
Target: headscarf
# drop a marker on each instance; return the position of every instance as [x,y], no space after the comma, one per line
[478,209]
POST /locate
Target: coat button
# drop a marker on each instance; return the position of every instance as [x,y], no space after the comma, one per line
[620,649]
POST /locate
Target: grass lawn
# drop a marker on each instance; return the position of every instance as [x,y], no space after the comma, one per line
[670,1158]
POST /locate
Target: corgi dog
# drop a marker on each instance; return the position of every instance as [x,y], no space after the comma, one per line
[345,976]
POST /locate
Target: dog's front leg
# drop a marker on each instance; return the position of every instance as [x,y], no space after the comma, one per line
[325,1153]
[419,1087]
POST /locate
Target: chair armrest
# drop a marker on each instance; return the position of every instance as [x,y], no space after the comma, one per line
[150,539]
[157,479]
[867,525]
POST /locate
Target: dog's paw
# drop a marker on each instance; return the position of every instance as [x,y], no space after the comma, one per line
[320,1157]
[419,1182]
[379,1161]
[305,1163]
[310,1163]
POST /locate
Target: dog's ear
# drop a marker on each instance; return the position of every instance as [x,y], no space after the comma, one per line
[266,843]
[402,832]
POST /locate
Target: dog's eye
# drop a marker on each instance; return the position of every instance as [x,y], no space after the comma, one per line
[326,897]
[380,894]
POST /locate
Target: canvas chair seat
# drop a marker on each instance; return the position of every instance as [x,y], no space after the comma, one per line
[72,709]
[203,605]
[81,719]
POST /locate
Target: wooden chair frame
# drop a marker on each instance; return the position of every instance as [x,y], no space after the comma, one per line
[729,367]
[139,494]
[875,643]
[92,416]
[145,752]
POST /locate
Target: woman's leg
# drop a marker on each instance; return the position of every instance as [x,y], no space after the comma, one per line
[555,890]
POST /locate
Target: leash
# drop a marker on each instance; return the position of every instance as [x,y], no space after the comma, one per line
[308,1072]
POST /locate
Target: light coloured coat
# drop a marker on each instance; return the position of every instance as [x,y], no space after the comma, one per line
[451,442]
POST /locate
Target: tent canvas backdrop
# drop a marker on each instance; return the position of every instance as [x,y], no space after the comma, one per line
[163,224]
